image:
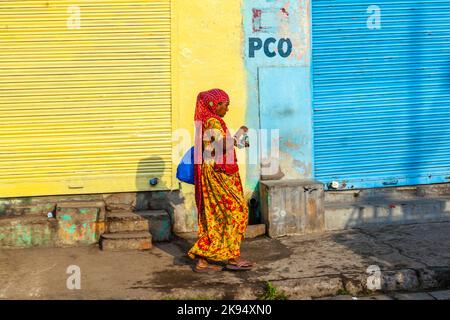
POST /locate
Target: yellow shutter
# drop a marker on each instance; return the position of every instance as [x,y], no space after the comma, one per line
[84,108]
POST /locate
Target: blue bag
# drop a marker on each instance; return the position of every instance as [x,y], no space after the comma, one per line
[185,170]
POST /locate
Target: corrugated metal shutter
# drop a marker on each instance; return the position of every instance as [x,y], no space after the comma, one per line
[381,95]
[88,109]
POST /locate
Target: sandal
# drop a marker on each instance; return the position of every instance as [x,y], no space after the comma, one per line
[207,268]
[240,265]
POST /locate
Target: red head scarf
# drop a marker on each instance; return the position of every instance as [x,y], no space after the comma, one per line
[207,104]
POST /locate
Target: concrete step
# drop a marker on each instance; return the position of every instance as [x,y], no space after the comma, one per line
[380,211]
[80,222]
[28,231]
[125,221]
[160,224]
[126,241]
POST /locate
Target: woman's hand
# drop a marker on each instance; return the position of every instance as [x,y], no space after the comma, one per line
[241,131]
[238,135]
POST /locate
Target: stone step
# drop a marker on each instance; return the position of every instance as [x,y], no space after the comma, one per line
[28,231]
[126,241]
[80,222]
[386,212]
[125,221]
[160,224]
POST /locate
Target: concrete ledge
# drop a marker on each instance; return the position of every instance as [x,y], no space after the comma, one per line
[75,223]
[382,212]
[28,231]
[80,223]
[299,289]
[392,193]
[292,207]
[407,281]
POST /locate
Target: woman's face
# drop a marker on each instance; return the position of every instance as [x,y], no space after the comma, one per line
[222,109]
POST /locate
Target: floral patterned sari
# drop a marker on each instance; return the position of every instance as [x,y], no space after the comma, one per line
[222,209]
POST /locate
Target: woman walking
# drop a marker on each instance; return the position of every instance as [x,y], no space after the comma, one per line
[222,209]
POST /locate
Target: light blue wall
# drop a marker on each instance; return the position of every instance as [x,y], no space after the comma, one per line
[279,88]
[285,105]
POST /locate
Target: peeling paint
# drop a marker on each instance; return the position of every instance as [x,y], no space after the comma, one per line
[66,218]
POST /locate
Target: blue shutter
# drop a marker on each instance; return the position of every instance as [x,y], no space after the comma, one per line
[381,95]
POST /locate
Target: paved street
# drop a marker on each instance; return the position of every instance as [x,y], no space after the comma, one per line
[411,259]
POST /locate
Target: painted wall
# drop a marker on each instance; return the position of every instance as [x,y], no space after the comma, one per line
[269,86]
[210,41]
[259,52]
[278,63]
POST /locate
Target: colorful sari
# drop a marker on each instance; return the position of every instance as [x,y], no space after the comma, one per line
[222,209]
